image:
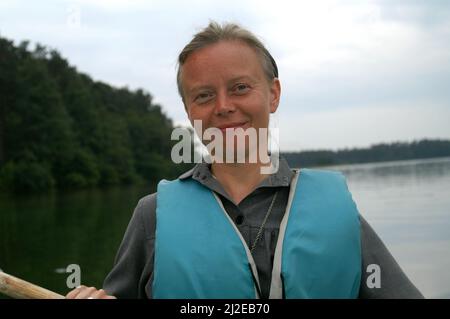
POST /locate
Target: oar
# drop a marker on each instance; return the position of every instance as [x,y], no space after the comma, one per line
[21,289]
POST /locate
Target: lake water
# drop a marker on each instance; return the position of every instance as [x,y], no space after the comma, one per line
[408,205]
[406,202]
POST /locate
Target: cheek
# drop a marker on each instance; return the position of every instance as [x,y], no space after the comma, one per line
[259,110]
[193,114]
[200,117]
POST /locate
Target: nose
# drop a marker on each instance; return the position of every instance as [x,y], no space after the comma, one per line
[223,104]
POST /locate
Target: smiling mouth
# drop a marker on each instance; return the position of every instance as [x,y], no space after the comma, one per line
[224,127]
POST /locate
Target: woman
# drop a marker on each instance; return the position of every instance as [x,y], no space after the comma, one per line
[226,229]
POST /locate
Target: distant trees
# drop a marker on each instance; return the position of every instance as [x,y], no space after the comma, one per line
[59,128]
[376,153]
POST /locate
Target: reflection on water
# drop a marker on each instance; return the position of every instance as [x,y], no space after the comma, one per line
[41,235]
[407,203]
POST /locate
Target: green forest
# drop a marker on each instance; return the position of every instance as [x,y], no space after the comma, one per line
[383,152]
[60,129]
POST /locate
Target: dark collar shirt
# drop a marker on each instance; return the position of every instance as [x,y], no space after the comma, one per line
[132,274]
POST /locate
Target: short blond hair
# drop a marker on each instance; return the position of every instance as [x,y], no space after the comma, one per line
[214,33]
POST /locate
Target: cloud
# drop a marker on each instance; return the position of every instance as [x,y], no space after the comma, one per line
[335,57]
[361,126]
[426,14]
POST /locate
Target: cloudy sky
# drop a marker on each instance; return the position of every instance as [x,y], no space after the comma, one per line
[353,73]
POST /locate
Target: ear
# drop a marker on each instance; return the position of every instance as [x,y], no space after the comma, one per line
[275,93]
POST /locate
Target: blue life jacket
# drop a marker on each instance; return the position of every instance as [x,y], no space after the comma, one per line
[199,252]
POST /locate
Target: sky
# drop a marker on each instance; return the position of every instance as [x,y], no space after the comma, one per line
[353,73]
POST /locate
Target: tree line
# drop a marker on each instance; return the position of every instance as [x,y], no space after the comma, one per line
[61,129]
[425,148]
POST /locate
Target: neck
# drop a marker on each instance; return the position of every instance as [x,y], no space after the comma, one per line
[238,179]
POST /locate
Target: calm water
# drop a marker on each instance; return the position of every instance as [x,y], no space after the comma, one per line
[407,203]
[41,235]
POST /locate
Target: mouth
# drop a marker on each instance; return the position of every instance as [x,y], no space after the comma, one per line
[232,126]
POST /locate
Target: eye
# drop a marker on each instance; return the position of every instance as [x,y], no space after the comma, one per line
[241,88]
[203,97]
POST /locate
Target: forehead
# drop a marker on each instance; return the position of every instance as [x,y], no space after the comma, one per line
[221,60]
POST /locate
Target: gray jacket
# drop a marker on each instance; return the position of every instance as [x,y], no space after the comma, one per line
[132,274]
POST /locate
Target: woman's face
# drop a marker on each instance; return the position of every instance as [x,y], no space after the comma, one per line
[225,86]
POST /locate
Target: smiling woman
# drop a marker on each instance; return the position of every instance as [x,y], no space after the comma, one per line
[225,229]
[241,97]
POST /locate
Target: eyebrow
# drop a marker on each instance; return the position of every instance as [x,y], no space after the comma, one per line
[209,87]
[242,77]
[198,88]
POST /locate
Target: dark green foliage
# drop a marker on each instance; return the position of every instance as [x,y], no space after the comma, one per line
[376,153]
[59,128]
[26,176]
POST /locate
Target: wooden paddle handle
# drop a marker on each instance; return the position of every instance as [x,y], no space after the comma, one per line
[21,289]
